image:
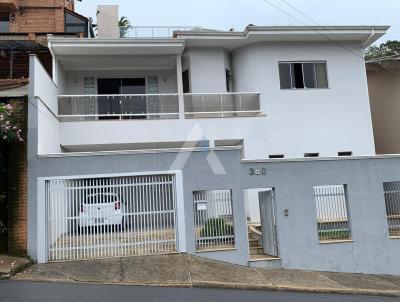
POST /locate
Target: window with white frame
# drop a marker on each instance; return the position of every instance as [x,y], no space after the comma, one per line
[213,218]
[392,203]
[303,75]
[332,212]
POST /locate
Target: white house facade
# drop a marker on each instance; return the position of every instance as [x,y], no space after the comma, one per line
[248,147]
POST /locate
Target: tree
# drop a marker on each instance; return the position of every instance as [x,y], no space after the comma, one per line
[124,26]
[389,48]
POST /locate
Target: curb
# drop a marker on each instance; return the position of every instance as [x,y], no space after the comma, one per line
[271,287]
[16,270]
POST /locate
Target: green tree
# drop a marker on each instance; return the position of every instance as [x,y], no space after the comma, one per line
[389,48]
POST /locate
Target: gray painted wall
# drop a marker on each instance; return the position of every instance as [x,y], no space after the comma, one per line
[372,251]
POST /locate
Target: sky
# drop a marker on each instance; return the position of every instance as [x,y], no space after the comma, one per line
[226,14]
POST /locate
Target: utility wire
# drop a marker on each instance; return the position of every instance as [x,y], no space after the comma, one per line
[321,33]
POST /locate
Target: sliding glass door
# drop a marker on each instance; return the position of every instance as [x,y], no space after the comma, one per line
[122,96]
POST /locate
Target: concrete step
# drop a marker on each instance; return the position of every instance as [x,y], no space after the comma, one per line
[253,242]
[265,261]
[256,250]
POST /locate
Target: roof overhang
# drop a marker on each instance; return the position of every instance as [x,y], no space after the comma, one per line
[365,35]
[114,47]
[387,63]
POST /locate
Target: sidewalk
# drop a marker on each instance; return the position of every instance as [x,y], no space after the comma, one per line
[188,271]
[11,265]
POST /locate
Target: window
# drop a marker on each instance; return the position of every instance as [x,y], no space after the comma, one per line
[75,24]
[186,81]
[304,75]
[4,22]
[228,77]
[345,153]
[332,212]
[311,154]
[276,156]
[213,218]
[392,203]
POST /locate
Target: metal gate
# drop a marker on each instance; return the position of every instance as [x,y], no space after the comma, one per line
[110,216]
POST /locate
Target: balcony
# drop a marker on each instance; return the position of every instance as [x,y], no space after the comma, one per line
[157,106]
[152,31]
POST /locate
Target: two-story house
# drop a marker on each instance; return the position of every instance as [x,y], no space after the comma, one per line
[149,144]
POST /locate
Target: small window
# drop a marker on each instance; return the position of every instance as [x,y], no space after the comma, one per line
[345,153]
[392,203]
[75,24]
[311,154]
[228,77]
[4,22]
[305,75]
[276,156]
[186,81]
[332,212]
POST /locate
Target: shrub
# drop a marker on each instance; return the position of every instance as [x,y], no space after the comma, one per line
[216,227]
[9,130]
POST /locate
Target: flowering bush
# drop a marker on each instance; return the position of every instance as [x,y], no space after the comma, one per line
[9,130]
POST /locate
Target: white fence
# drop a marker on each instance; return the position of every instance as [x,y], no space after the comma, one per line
[392,202]
[332,212]
[213,219]
[115,216]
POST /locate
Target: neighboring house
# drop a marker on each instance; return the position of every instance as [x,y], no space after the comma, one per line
[252,147]
[24,26]
[384,90]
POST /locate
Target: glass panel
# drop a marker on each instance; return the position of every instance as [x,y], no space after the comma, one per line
[321,74]
[297,75]
[285,77]
[4,22]
[309,77]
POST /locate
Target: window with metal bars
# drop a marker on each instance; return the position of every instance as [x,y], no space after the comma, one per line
[392,203]
[213,218]
[331,204]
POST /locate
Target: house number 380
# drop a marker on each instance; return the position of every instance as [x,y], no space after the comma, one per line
[257,171]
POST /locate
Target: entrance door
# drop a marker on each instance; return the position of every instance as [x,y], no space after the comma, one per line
[268,223]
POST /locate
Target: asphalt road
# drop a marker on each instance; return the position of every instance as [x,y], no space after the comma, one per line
[21,291]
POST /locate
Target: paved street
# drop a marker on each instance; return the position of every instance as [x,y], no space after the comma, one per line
[24,291]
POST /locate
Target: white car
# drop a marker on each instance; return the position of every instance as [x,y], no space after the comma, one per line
[102,209]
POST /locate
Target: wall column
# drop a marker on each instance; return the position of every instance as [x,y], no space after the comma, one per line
[180,86]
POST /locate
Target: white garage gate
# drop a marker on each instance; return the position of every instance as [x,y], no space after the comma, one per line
[111,216]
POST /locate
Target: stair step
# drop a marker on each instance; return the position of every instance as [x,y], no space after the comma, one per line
[256,250]
[253,242]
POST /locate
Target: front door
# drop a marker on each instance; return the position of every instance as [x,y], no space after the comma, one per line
[268,222]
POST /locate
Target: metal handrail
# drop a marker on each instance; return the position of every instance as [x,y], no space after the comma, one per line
[132,31]
[116,95]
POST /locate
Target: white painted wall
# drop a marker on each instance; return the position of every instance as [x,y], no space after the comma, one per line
[315,120]
[207,69]
[166,78]
[44,92]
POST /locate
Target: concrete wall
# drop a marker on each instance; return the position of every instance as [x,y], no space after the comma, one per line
[44,104]
[207,69]
[371,251]
[384,91]
[309,120]
[107,21]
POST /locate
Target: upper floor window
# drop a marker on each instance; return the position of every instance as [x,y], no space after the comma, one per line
[4,22]
[75,24]
[303,75]
[186,81]
[228,77]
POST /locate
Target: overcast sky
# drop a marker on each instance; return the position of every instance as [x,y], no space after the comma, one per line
[226,14]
